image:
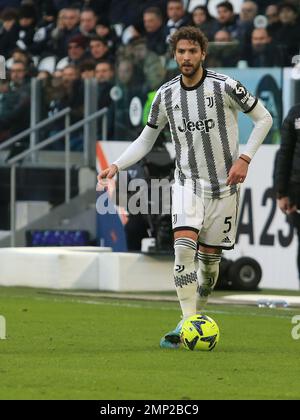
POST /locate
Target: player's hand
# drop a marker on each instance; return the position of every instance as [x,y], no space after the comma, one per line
[238,172]
[105,175]
[285,205]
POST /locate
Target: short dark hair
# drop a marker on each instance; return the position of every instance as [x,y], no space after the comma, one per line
[290,6]
[189,33]
[9,13]
[106,62]
[154,10]
[87,65]
[99,39]
[227,5]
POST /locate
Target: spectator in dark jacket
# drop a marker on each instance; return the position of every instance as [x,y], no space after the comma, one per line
[27,27]
[288,36]
[202,19]
[68,26]
[177,17]
[42,40]
[88,21]
[154,30]
[15,102]
[272,14]
[262,52]
[9,33]
[287,170]
[227,19]
[99,49]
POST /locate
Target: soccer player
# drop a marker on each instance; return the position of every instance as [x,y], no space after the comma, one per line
[201,108]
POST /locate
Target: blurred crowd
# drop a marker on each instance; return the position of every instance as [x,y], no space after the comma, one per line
[123,44]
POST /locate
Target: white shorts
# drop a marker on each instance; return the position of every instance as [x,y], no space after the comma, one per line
[215,220]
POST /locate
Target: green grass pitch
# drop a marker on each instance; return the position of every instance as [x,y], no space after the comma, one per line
[86,348]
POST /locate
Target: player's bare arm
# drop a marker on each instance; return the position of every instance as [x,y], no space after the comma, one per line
[135,152]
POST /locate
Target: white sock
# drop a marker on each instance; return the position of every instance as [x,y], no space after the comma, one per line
[207,274]
[185,275]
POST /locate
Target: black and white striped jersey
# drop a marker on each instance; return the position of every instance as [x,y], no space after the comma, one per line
[204,127]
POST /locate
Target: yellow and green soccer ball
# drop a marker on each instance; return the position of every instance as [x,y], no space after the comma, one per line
[199,332]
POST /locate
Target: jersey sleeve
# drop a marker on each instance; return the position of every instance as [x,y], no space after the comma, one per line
[157,117]
[238,97]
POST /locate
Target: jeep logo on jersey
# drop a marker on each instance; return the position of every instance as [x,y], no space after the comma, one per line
[201,125]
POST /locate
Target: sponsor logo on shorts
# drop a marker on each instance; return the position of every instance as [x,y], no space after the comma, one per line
[226,240]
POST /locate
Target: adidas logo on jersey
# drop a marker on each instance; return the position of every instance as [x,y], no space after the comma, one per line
[226,240]
[201,125]
[177,108]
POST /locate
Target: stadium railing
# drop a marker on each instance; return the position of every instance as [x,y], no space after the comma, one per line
[49,141]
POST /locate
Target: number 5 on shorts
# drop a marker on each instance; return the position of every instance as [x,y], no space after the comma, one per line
[228,222]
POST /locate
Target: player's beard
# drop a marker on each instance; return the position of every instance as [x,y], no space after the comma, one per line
[192,69]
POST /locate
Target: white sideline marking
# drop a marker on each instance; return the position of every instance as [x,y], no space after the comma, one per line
[164,308]
[2,328]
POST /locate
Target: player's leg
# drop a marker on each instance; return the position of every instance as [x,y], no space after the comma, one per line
[186,230]
[185,275]
[218,233]
[209,260]
[185,278]
[295,219]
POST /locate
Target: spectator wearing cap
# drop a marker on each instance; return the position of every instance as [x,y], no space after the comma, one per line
[67,27]
[99,49]
[202,19]
[227,19]
[88,21]
[9,33]
[288,36]
[42,40]
[154,30]
[27,26]
[177,17]
[77,46]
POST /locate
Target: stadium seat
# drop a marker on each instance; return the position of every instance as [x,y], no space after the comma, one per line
[62,63]
[47,64]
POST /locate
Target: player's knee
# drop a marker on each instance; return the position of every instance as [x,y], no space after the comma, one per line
[185,251]
[210,263]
